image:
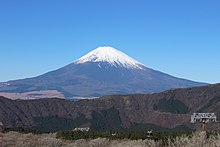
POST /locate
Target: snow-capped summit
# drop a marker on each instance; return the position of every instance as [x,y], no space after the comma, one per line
[110,55]
[103,71]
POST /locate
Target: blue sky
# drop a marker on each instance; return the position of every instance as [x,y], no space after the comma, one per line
[181,38]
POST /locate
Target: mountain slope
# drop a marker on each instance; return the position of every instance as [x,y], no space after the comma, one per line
[114,112]
[103,71]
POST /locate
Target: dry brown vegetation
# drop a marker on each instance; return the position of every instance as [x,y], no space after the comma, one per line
[15,139]
[33,95]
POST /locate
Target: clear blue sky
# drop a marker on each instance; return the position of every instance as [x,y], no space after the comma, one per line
[181,38]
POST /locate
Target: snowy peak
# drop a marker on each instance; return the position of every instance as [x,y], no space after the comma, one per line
[111,55]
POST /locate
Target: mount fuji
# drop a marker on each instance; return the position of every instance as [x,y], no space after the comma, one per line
[103,71]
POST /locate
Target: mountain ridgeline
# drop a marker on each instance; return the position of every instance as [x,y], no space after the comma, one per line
[166,111]
[103,71]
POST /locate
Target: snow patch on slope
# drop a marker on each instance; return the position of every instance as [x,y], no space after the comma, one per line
[112,56]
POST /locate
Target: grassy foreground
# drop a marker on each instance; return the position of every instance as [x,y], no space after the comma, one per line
[16,139]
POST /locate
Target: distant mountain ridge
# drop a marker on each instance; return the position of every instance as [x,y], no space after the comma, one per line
[169,110]
[103,71]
